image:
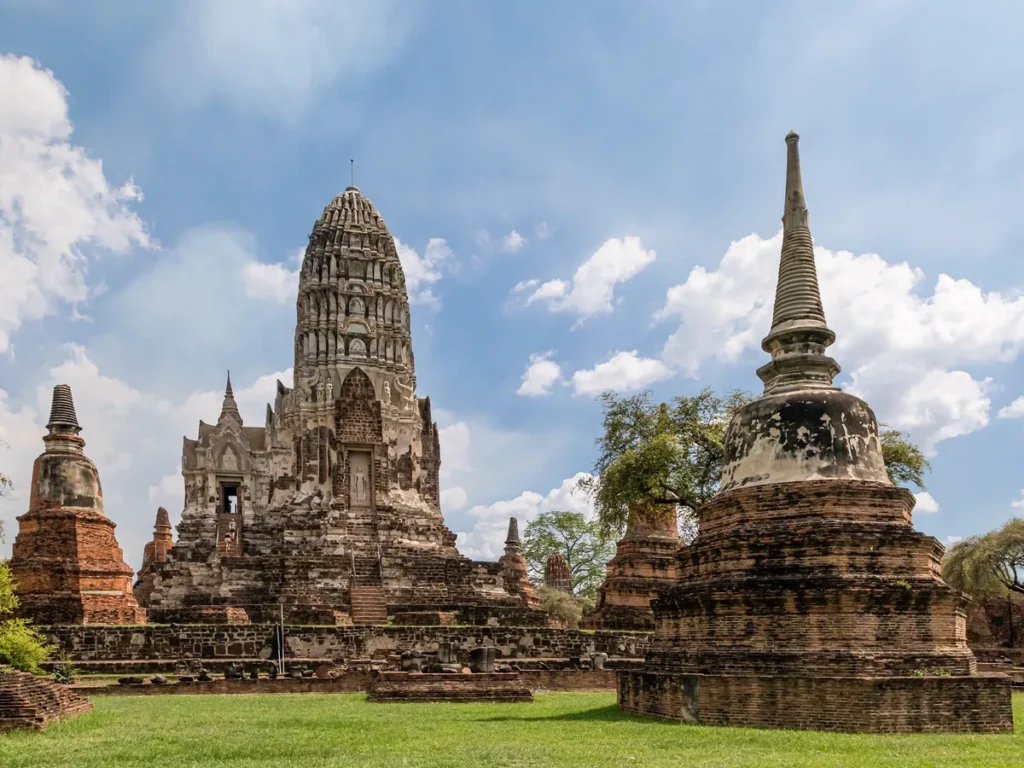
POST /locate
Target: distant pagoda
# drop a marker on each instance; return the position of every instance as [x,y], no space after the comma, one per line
[808,600]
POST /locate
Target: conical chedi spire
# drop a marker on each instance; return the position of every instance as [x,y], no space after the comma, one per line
[62,412]
[230,408]
[799,334]
[512,539]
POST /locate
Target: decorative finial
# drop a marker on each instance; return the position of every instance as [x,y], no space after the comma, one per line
[63,418]
[352,171]
[799,335]
[230,408]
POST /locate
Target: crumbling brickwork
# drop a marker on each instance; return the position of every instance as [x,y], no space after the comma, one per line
[644,563]
[31,702]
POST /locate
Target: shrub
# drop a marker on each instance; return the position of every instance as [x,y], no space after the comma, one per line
[22,646]
[562,606]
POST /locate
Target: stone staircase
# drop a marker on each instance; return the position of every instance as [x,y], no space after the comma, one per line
[369,605]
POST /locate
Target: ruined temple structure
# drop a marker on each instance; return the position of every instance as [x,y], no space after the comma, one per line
[154,552]
[331,507]
[557,575]
[515,574]
[808,600]
[32,702]
[644,562]
[66,563]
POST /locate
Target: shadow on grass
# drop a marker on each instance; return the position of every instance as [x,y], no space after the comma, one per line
[608,714]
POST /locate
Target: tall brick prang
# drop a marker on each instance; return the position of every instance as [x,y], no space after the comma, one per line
[808,600]
[66,562]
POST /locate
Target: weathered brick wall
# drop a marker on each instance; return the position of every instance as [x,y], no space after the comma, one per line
[196,641]
[979,704]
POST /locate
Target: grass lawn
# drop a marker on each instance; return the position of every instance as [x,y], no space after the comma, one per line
[562,730]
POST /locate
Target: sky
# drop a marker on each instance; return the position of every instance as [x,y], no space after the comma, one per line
[586,198]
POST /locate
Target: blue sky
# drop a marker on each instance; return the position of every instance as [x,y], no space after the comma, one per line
[161,163]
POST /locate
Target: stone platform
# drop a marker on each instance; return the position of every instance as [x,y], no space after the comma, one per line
[27,701]
[503,687]
[968,704]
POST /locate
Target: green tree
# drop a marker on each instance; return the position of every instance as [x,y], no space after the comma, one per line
[583,543]
[21,645]
[988,565]
[650,451]
[564,607]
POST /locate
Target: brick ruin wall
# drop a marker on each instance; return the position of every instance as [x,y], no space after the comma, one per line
[250,641]
[875,705]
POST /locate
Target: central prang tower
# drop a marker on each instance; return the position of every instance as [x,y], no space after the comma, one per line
[332,508]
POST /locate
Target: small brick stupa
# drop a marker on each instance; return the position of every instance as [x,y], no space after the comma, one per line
[515,575]
[808,600]
[155,552]
[644,563]
[31,702]
[66,562]
[556,573]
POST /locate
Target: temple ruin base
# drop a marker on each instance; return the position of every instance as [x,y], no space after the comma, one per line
[503,687]
[31,702]
[969,704]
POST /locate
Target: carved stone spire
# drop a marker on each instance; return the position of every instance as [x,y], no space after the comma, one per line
[229,410]
[799,334]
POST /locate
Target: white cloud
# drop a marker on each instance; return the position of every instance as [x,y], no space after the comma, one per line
[274,58]
[1014,410]
[57,208]
[132,436]
[926,503]
[593,285]
[455,442]
[513,242]
[904,352]
[486,539]
[1018,503]
[949,541]
[423,272]
[270,281]
[621,372]
[543,231]
[453,499]
[540,376]
[524,285]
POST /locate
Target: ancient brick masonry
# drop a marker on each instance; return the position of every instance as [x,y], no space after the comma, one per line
[331,508]
[27,701]
[556,573]
[644,563]
[66,562]
[516,578]
[808,600]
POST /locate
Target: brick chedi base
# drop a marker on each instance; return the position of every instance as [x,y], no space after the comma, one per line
[456,688]
[67,566]
[807,599]
[27,701]
[644,563]
[815,605]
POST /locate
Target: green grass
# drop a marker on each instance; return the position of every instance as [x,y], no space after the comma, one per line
[562,730]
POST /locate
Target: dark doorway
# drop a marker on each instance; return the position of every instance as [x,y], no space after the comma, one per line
[229,499]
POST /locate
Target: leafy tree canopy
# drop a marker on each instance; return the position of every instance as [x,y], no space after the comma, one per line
[650,451]
[21,645]
[584,544]
[988,565]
